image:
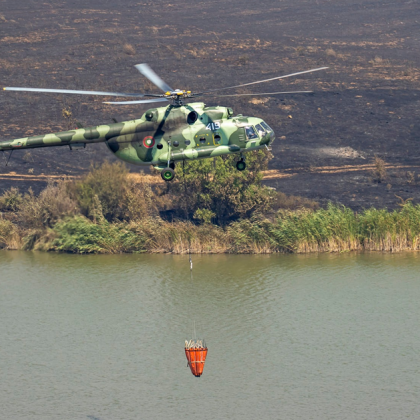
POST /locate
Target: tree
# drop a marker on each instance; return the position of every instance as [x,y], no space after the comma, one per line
[215,189]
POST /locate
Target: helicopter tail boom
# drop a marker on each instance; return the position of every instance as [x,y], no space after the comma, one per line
[72,138]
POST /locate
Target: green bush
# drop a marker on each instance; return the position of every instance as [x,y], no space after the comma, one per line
[108,182]
[218,187]
[80,235]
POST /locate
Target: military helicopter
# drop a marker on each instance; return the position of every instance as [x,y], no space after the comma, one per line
[177,132]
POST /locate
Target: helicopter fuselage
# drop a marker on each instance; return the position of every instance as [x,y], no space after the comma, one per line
[165,135]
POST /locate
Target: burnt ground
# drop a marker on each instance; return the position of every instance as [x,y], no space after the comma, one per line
[366,104]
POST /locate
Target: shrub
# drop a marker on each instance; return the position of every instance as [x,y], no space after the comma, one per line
[204,215]
[139,201]
[11,200]
[216,186]
[379,173]
[108,182]
[52,204]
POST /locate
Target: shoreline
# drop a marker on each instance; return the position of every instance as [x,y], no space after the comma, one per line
[336,229]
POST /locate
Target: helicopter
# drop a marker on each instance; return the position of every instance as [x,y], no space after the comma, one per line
[177,132]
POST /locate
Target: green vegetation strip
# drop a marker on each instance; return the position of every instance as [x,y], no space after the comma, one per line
[210,209]
[335,229]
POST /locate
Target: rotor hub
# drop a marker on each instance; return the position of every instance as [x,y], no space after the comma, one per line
[178,95]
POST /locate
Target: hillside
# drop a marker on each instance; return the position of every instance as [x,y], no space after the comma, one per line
[366,105]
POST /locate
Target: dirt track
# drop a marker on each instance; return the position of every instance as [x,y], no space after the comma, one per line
[367,104]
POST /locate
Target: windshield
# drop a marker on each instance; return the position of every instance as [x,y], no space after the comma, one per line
[267,127]
[250,133]
[260,130]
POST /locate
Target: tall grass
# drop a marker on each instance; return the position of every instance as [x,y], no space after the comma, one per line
[335,229]
[381,230]
[180,236]
[10,235]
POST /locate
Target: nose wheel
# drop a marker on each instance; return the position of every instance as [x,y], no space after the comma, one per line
[241,165]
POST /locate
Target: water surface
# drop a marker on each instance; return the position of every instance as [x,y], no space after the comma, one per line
[289,336]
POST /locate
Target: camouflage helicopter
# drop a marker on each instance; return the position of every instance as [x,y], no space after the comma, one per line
[177,132]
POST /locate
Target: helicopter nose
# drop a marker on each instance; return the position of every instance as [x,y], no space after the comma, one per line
[269,137]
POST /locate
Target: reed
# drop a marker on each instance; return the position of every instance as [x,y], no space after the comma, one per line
[395,231]
[335,229]
[10,235]
[180,237]
[82,236]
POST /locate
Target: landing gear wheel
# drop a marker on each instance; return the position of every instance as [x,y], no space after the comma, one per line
[168,174]
[241,165]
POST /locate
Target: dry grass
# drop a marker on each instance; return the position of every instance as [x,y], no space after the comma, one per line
[411,177]
[300,50]
[243,60]
[198,52]
[330,52]
[10,235]
[129,49]
[291,202]
[258,101]
[379,61]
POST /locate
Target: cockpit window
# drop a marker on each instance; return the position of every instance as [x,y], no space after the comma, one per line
[260,130]
[250,133]
[267,127]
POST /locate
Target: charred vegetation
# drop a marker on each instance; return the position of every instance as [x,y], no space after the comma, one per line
[366,105]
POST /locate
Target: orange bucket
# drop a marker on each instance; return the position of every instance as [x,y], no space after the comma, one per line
[196,352]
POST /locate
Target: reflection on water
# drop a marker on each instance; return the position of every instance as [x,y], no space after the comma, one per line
[289,337]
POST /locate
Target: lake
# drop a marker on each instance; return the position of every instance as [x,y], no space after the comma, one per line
[289,336]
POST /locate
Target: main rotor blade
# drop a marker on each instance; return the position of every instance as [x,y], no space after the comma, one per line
[259,94]
[263,81]
[146,101]
[79,92]
[146,71]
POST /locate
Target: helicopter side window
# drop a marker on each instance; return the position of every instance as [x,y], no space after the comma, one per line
[260,130]
[267,127]
[202,140]
[250,133]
